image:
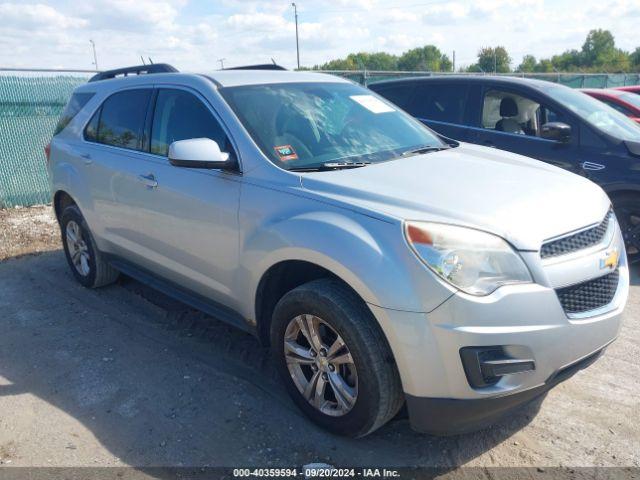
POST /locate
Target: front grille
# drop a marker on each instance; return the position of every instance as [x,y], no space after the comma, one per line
[577,241]
[589,295]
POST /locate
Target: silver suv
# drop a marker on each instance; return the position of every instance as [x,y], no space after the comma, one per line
[382,263]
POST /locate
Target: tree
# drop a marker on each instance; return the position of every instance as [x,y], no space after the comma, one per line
[380,61]
[597,54]
[363,60]
[427,58]
[634,59]
[598,46]
[492,59]
[528,64]
[569,61]
[544,66]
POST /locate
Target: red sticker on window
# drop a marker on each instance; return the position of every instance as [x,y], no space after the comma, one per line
[286,153]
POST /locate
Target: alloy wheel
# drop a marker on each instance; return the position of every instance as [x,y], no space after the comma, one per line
[78,250]
[321,365]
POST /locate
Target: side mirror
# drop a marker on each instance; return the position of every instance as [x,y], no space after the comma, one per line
[556,131]
[198,153]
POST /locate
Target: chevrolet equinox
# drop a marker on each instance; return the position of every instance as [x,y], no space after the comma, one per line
[382,263]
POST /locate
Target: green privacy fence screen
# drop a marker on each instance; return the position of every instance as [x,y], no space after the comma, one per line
[30,104]
[32,101]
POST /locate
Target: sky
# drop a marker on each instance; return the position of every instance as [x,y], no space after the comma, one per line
[194,35]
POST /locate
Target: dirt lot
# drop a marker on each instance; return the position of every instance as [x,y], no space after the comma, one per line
[27,230]
[124,376]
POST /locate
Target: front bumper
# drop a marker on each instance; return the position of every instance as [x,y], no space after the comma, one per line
[526,317]
[450,416]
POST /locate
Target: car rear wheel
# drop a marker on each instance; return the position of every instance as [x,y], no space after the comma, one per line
[334,359]
[86,262]
[627,209]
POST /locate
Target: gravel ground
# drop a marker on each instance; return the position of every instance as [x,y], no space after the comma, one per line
[27,231]
[125,376]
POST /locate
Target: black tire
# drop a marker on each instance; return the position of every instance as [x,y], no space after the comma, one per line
[379,390]
[99,273]
[627,209]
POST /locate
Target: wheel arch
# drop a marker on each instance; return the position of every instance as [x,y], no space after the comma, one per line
[280,279]
[61,200]
[617,191]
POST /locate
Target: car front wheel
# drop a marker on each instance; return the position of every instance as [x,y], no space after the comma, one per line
[334,359]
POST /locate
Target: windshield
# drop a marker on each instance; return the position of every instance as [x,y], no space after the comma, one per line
[596,113]
[632,98]
[306,125]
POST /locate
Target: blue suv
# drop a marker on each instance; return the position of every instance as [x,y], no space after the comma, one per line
[539,119]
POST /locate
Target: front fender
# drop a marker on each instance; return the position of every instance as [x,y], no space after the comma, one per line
[368,254]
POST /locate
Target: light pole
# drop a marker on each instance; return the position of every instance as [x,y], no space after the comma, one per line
[221,60]
[295,12]
[95,57]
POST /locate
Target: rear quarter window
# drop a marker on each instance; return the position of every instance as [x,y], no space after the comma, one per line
[75,104]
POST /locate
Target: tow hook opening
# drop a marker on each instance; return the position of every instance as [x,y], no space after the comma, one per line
[485,366]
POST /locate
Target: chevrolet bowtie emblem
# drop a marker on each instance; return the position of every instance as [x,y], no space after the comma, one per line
[610,261]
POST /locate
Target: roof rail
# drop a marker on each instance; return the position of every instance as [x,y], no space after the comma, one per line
[138,70]
[261,66]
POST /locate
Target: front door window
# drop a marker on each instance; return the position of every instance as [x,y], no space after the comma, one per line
[509,112]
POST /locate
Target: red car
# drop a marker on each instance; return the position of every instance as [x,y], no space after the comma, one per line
[630,88]
[624,101]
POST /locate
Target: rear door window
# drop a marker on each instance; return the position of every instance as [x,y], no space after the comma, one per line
[180,115]
[121,119]
[76,103]
[91,130]
[439,102]
[399,94]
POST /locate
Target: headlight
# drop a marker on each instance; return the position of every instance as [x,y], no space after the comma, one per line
[475,262]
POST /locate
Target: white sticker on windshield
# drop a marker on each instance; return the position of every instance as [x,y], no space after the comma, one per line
[372,103]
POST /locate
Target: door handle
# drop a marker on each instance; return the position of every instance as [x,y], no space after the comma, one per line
[149,180]
[86,157]
[592,166]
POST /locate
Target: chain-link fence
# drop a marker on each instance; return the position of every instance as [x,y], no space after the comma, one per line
[32,100]
[30,103]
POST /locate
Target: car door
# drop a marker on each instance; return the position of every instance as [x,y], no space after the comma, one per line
[511,119]
[442,106]
[181,223]
[113,140]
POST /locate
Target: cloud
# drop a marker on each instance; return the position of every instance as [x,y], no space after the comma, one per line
[617,8]
[193,34]
[133,16]
[397,15]
[26,16]
[445,14]
[262,21]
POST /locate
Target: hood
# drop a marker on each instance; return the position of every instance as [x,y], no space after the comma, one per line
[523,200]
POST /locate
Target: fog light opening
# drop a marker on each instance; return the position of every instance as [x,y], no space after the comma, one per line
[485,366]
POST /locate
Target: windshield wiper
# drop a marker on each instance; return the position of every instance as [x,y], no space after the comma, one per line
[330,166]
[425,149]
